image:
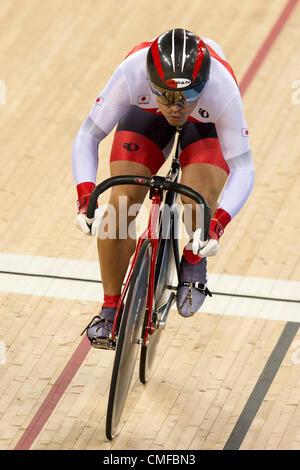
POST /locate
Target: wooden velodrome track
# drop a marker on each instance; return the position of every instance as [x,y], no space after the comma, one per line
[229,377]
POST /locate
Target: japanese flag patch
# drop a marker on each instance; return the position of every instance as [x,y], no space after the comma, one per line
[99,101]
[144,99]
[245,132]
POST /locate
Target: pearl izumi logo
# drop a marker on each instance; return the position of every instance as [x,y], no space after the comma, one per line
[178,82]
[130,147]
[203,113]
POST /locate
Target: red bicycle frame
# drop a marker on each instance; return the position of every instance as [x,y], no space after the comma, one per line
[151,233]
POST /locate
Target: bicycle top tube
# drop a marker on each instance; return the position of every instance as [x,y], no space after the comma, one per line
[154,182]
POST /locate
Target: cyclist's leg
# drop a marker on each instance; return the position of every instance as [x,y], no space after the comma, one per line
[141,143]
[114,252]
[205,170]
[116,249]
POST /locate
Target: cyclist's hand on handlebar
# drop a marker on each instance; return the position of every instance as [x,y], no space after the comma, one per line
[81,220]
[208,247]
[82,224]
[204,248]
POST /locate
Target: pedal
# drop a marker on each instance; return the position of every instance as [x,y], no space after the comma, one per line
[104,343]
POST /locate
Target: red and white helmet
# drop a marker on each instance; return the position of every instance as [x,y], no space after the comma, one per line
[178,65]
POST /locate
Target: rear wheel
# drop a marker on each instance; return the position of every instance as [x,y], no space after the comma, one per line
[129,336]
[148,352]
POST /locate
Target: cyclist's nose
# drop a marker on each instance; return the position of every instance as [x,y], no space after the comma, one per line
[176,107]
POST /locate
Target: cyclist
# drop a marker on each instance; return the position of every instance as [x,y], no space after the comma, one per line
[176,80]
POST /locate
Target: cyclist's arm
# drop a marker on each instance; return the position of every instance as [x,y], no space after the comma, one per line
[234,140]
[110,106]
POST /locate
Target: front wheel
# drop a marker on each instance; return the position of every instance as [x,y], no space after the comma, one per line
[129,338]
[165,273]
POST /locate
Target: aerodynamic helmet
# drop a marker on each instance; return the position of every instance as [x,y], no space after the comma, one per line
[178,66]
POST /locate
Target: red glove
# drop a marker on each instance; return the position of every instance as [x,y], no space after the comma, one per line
[210,247]
[217,224]
[84,191]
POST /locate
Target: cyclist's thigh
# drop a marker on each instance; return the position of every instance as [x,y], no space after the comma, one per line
[134,194]
[142,137]
[203,165]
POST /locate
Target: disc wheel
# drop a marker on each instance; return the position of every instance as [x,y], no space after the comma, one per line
[130,333]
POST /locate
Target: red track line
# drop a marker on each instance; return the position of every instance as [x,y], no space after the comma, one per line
[268,43]
[44,412]
[54,395]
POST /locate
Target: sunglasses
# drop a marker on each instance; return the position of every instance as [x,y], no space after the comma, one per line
[170,97]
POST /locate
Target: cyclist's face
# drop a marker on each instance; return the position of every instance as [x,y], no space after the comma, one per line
[175,114]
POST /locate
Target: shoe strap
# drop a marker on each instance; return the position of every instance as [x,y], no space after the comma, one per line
[91,323]
[197,285]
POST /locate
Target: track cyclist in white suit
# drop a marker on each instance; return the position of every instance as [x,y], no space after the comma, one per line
[175,80]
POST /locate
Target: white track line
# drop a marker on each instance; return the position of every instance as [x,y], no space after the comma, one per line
[93,292]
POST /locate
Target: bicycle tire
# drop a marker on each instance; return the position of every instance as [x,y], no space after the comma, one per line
[165,267]
[127,346]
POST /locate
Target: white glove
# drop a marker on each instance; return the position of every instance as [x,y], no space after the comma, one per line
[89,226]
[205,248]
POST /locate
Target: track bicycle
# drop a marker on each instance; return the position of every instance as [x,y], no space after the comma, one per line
[148,292]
